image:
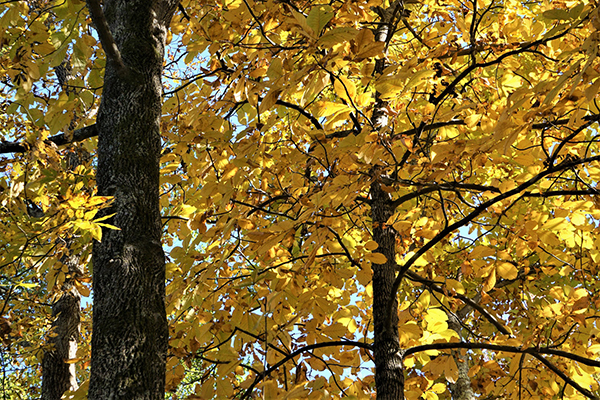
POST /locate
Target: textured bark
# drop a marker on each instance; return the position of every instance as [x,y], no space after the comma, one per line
[461,389]
[129,340]
[57,375]
[389,374]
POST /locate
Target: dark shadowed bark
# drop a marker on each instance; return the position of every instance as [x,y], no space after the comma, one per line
[389,375]
[129,341]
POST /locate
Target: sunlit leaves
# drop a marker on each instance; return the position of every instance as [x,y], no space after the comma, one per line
[269,153]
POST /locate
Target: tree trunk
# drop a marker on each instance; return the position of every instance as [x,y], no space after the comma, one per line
[461,389]
[129,340]
[389,374]
[57,375]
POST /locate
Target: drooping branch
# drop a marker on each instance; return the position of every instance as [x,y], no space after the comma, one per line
[460,122]
[432,286]
[457,187]
[565,377]
[450,186]
[59,140]
[450,88]
[565,165]
[533,351]
[296,353]
[500,347]
[302,111]
[106,38]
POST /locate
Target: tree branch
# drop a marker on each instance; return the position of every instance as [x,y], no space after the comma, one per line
[568,163]
[59,140]
[500,347]
[432,286]
[301,350]
[106,38]
[537,126]
[564,377]
[302,111]
[533,351]
[450,88]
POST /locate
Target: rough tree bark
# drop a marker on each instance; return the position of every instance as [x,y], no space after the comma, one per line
[129,340]
[389,373]
[461,389]
[57,375]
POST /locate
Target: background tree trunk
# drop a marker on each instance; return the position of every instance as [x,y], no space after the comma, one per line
[461,389]
[57,375]
[130,333]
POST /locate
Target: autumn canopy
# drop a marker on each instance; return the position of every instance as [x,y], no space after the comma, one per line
[354,199]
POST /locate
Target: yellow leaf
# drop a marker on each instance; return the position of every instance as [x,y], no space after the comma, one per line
[96,232]
[270,99]
[245,223]
[511,81]
[82,289]
[439,388]
[376,258]
[455,286]
[302,22]
[417,77]
[557,224]
[436,320]
[335,330]
[556,14]
[167,169]
[337,35]
[472,120]
[592,90]
[507,271]
[327,108]
[344,88]
[371,245]
[451,370]
[507,185]
[366,46]
[402,226]
[490,282]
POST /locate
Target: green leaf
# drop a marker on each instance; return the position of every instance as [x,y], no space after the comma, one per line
[318,17]
[556,14]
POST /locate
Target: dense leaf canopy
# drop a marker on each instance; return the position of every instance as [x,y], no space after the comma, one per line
[481,127]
